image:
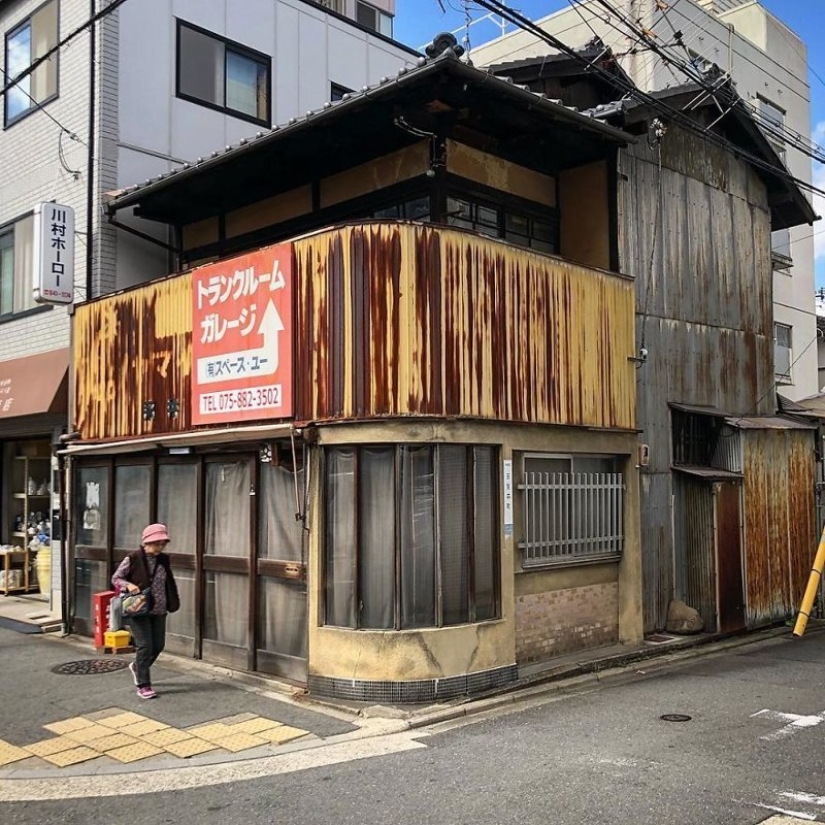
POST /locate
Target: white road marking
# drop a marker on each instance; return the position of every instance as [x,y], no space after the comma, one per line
[807,798]
[798,816]
[157,781]
[794,722]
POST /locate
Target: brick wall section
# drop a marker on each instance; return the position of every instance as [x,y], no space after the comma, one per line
[563,621]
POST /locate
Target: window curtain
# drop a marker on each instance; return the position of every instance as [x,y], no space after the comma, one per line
[23,264]
[227,534]
[452,519]
[280,532]
[178,510]
[6,273]
[417,536]
[339,575]
[131,504]
[283,603]
[485,535]
[227,509]
[178,505]
[377,537]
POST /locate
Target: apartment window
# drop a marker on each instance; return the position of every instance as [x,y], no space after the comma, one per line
[511,223]
[783,352]
[572,509]
[30,40]
[411,536]
[337,92]
[223,75]
[338,6]
[16,293]
[417,209]
[372,18]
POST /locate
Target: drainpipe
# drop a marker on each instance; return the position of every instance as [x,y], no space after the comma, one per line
[810,590]
[90,174]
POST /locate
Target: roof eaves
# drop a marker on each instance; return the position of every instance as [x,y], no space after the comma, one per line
[447,61]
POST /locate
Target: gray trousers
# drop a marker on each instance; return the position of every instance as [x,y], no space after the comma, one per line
[149,636]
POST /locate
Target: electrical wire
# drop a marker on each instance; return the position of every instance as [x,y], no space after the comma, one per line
[662,108]
[56,48]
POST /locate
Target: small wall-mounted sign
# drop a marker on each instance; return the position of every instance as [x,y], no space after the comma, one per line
[53,263]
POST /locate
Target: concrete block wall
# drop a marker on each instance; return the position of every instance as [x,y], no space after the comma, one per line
[563,621]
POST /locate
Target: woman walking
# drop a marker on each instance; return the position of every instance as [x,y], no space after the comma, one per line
[142,569]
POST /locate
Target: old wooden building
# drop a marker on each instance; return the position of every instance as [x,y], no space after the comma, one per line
[727,486]
[387,402]
[386,406]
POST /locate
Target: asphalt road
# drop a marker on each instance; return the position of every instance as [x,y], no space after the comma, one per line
[754,746]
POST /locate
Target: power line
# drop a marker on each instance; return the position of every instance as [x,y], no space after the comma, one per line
[67,39]
[632,91]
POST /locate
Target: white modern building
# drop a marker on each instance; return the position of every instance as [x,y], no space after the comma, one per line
[767,62]
[122,91]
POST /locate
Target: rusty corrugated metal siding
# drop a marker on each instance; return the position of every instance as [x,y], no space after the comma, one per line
[780,535]
[697,533]
[399,319]
[129,348]
[704,308]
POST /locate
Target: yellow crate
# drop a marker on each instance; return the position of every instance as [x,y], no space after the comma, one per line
[116,638]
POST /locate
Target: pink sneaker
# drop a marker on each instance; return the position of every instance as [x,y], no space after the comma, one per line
[146,693]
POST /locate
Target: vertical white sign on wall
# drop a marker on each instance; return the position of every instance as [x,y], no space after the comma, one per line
[53,259]
[508,497]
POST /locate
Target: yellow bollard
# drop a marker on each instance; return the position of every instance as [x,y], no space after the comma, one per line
[810,590]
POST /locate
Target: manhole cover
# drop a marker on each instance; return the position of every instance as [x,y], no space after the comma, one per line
[89,667]
[675,717]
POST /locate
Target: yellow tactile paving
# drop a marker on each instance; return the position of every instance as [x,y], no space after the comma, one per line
[211,732]
[11,753]
[110,742]
[255,725]
[72,757]
[121,720]
[129,737]
[190,747]
[132,753]
[282,734]
[240,742]
[168,736]
[142,728]
[84,735]
[69,725]
[49,746]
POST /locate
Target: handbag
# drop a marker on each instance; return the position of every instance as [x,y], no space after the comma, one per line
[133,605]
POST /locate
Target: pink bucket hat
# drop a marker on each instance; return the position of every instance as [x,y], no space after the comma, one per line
[154,532]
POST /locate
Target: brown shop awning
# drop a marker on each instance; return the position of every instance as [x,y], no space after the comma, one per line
[35,384]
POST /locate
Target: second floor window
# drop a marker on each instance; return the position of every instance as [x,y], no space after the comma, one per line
[783,352]
[223,75]
[27,42]
[373,18]
[15,267]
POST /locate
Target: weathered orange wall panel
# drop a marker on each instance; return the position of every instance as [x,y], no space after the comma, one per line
[129,348]
[392,319]
[780,535]
[406,319]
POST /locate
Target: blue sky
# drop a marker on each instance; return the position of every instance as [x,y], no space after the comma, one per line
[417,21]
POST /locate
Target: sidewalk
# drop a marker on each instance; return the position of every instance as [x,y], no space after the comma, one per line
[68,711]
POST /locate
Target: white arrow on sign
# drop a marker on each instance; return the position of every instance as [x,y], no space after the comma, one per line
[257,362]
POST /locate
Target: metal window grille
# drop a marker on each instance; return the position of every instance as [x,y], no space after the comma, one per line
[571,517]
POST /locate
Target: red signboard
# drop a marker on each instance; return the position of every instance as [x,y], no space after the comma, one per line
[242,338]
